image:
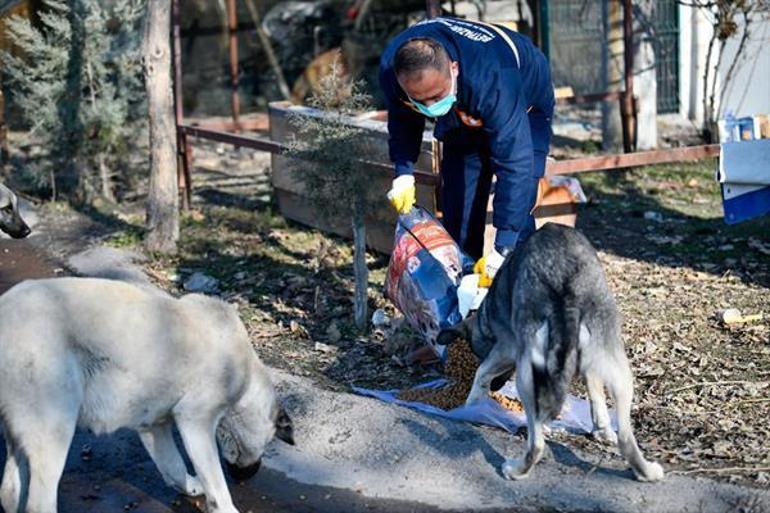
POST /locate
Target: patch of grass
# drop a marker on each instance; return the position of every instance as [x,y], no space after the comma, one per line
[590,146]
[127,238]
[671,211]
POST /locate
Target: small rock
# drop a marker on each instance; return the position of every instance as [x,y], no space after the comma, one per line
[200,282]
[380,318]
[653,216]
[324,348]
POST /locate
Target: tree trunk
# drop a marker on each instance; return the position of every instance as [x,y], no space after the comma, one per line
[612,128]
[645,75]
[163,198]
[360,270]
[105,176]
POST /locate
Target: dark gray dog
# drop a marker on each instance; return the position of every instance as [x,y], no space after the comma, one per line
[548,314]
[10,220]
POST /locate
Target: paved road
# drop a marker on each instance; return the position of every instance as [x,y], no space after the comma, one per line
[20,260]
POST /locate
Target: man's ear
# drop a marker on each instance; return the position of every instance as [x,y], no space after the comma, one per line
[449,335]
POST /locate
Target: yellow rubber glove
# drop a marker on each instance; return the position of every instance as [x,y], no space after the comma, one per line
[487,267]
[402,194]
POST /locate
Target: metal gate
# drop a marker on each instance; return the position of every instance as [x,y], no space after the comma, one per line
[666,23]
[577,44]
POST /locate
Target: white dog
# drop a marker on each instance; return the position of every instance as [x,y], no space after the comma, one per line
[106,354]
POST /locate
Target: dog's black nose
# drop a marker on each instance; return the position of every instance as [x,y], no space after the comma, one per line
[20,233]
[240,474]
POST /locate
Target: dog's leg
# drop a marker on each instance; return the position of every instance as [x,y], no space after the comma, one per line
[518,468]
[602,426]
[620,385]
[159,442]
[497,362]
[10,491]
[200,443]
[591,350]
[46,448]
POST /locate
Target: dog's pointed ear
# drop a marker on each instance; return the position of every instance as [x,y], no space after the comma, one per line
[449,335]
[284,428]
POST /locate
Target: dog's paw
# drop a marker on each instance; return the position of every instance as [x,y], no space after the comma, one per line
[514,470]
[652,472]
[192,486]
[605,435]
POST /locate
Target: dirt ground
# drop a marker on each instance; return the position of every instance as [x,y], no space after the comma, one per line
[703,388]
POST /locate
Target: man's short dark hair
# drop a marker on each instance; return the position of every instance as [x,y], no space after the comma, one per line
[419,54]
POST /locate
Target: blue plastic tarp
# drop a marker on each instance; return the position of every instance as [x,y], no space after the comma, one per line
[575,416]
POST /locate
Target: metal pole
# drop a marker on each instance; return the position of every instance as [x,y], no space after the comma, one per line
[232,23]
[629,121]
[184,151]
[534,7]
[543,30]
[433,7]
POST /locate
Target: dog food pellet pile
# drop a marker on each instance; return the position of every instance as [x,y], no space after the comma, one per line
[460,369]
[507,403]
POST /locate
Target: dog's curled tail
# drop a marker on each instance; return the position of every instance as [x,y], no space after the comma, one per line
[552,380]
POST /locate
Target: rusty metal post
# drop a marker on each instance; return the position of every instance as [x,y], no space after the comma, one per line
[628,108]
[433,8]
[232,26]
[184,150]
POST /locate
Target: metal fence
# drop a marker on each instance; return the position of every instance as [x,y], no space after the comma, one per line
[666,23]
[578,46]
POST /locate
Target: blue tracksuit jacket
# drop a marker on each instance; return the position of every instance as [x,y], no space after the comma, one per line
[500,124]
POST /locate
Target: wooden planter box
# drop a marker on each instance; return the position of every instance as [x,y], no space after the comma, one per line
[290,193]
[380,226]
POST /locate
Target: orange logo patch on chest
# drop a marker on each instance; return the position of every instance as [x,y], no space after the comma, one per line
[469,120]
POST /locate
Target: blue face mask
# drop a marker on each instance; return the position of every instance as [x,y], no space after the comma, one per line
[437,109]
[441,107]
